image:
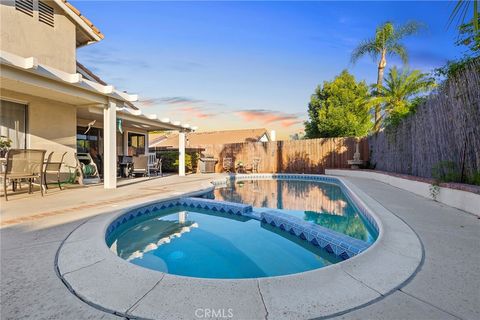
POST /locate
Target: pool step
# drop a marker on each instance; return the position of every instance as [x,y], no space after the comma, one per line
[215,205]
[334,242]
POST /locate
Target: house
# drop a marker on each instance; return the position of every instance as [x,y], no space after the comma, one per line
[50,101]
[198,140]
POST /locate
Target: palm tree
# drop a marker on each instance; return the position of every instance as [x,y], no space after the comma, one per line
[400,88]
[460,12]
[386,42]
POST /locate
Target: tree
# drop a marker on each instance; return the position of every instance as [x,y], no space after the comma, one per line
[460,12]
[339,108]
[401,93]
[468,37]
[386,42]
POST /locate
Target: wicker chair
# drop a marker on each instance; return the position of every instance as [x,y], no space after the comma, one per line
[53,167]
[24,164]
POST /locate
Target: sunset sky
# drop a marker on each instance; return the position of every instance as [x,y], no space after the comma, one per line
[231,65]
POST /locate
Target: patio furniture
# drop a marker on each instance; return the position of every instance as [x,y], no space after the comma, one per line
[227,165]
[140,165]
[125,164]
[207,165]
[240,167]
[158,168]
[23,164]
[154,164]
[255,165]
[53,167]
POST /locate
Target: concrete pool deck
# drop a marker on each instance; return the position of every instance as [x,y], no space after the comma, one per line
[446,286]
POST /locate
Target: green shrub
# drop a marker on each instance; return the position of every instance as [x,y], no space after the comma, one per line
[170,161]
[446,171]
[474,178]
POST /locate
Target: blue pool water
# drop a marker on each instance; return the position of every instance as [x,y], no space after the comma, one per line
[209,244]
[322,203]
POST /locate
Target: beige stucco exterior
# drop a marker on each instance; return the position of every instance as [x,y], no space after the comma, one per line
[26,36]
[51,125]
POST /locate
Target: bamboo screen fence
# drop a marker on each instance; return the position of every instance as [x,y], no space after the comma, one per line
[445,128]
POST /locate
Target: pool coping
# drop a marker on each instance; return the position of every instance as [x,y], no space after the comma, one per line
[100,278]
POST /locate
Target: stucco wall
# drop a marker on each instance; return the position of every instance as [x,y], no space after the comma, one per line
[463,200]
[50,125]
[26,36]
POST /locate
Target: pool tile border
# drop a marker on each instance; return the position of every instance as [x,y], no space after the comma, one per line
[333,242]
[186,203]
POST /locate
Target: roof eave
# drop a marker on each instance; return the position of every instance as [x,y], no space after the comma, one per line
[86,25]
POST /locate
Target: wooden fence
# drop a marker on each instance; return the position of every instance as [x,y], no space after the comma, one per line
[297,156]
[445,128]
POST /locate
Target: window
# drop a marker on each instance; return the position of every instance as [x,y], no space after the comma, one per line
[86,142]
[13,123]
[45,14]
[25,6]
[136,144]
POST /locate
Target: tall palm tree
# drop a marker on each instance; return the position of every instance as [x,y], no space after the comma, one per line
[386,42]
[460,12]
[399,90]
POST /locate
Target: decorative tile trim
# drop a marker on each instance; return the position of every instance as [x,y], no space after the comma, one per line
[333,242]
[186,203]
[215,205]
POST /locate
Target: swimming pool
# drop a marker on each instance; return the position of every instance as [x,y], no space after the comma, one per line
[209,244]
[322,203]
[208,238]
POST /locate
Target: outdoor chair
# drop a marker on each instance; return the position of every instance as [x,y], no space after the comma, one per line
[53,167]
[23,164]
[153,163]
[255,165]
[158,167]
[227,165]
[140,165]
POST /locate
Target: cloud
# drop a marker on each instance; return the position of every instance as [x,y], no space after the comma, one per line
[269,116]
[197,112]
[180,102]
[175,101]
[109,57]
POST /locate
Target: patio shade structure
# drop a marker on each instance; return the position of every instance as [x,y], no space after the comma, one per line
[102,102]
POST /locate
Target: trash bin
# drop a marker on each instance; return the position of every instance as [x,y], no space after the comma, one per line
[207,165]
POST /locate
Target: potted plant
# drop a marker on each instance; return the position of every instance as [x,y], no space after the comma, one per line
[5,144]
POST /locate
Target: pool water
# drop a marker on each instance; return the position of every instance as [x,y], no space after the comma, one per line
[322,203]
[209,244]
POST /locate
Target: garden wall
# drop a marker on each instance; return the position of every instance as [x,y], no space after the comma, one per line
[445,128]
[296,156]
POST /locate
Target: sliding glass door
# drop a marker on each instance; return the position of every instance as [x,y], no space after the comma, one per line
[13,123]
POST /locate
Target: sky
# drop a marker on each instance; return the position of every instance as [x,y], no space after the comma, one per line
[233,65]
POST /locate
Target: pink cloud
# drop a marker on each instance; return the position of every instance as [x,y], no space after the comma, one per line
[196,112]
[267,117]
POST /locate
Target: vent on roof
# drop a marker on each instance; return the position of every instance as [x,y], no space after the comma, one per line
[45,13]
[25,6]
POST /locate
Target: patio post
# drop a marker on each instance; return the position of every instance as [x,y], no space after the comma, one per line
[181,154]
[110,145]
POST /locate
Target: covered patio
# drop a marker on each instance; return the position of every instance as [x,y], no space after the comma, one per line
[61,108]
